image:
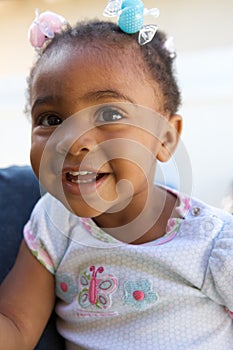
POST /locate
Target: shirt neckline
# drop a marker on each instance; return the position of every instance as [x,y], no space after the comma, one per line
[173,224]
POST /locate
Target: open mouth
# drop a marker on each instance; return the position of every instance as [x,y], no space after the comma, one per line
[83,176]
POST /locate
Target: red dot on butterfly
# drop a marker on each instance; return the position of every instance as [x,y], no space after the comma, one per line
[138,295]
[64,287]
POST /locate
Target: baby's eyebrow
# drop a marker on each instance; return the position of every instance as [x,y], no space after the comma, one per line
[48,99]
[101,94]
[90,96]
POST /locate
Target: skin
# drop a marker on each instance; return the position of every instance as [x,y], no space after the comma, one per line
[123,198]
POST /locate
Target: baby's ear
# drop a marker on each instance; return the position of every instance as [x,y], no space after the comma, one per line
[170,138]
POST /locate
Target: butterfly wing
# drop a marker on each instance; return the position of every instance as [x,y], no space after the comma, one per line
[83,296]
[105,287]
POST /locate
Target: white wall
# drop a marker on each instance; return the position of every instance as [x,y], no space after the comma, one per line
[15,127]
[207,81]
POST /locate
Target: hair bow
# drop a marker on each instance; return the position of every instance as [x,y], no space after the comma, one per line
[130,15]
[44,27]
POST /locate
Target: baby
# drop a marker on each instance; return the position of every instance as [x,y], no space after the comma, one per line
[130,264]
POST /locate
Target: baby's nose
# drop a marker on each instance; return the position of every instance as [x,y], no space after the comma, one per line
[74,141]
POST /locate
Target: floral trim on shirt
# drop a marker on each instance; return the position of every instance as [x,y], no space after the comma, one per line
[97,232]
[184,205]
[173,224]
[230,313]
[38,249]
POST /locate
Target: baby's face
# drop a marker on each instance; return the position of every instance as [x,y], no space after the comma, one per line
[94,146]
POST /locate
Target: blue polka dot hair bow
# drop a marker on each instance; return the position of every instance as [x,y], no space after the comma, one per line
[130,15]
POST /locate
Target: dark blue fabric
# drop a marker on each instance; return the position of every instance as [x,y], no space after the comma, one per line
[19,191]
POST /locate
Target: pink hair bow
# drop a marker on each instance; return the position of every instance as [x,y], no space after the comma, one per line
[44,27]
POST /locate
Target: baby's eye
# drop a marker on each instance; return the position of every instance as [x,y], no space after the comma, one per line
[109,115]
[49,120]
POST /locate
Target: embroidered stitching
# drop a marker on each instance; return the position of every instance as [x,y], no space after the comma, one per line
[96,291]
[139,294]
[66,288]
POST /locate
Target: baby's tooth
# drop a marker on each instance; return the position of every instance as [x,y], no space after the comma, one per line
[80,173]
[84,172]
[82,181]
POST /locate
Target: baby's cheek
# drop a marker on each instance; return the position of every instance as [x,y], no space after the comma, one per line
[35,156]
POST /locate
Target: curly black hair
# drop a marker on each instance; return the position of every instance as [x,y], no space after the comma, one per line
[157,59]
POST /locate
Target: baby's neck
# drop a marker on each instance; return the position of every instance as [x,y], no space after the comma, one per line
[138,225]
[158,228]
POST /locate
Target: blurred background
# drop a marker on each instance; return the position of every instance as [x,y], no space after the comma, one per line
[203,37]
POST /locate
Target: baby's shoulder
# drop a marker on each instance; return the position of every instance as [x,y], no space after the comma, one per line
[53,215]
[201,209]
[209,220]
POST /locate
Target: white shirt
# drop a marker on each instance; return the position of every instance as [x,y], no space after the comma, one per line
[170,294]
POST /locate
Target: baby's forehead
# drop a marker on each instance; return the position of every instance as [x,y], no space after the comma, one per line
[99,49]
[89,75]
[95,55]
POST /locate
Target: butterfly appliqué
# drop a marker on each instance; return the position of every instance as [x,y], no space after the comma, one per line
[96,290]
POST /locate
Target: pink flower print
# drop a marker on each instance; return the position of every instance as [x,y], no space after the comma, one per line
[230,313]
[38,249]
[30,238]
[66,287]
[44,258]
[171,224]
[185,205]
[139,294]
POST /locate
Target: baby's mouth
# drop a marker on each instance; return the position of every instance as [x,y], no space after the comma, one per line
[83,176]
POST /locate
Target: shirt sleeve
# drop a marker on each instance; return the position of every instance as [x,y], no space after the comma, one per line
[47,232]
[219,276]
